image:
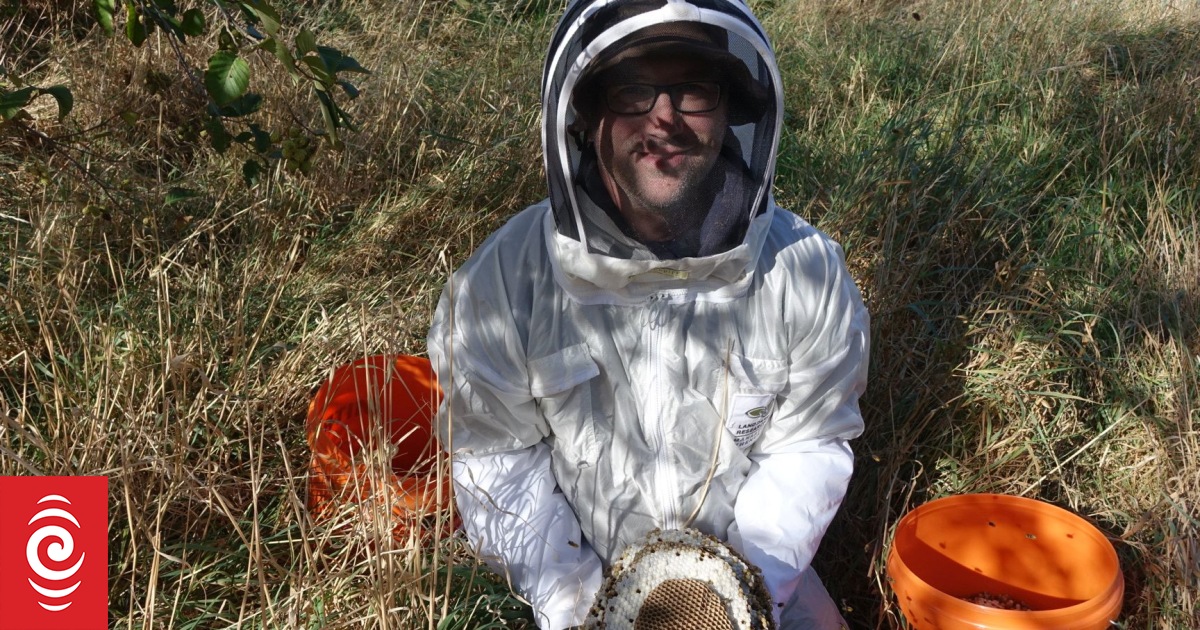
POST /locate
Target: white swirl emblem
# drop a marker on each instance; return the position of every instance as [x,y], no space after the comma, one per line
[60,550]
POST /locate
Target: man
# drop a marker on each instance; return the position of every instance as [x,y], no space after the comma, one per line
[657,344]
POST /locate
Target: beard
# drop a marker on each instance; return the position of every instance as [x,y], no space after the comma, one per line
[679,194]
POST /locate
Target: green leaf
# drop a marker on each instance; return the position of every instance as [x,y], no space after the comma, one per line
[135,31]
[12,78]
[227,77]
[265,13]
[324,78]
[217,136]
[225,41]
[251,170]
[171,23]
[349,89]
[281,52]
[262,139]
[177,194]
[163,13]
[306,42]
[242,106]
[347,122]
[331,114]
[193,22]
[12,102]
[62,94]
[104,14]
[338,62]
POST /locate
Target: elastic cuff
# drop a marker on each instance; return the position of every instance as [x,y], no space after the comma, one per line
[558,619]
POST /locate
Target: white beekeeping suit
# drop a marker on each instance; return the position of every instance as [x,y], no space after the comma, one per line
[597,387]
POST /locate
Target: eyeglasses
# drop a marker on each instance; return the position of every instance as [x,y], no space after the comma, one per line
[693,97]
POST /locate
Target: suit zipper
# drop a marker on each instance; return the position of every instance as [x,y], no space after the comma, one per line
[665,489]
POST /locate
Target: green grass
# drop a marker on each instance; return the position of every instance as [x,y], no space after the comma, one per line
[1015,184]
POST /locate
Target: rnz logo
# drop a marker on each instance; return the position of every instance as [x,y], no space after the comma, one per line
[55,585]
[54,553]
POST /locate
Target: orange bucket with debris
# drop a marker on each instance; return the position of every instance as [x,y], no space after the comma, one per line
[370,406]
[994,561]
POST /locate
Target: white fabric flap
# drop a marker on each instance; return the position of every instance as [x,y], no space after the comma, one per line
[561,371]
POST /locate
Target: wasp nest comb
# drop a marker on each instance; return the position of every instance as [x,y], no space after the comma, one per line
[681,580]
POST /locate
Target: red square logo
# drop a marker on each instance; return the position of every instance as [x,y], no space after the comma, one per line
[54,553]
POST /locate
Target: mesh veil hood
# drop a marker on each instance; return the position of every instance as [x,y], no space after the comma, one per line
[588,31]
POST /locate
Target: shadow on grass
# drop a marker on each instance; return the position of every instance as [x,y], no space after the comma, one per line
[1011,290]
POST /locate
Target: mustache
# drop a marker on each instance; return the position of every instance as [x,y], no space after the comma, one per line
[664,144]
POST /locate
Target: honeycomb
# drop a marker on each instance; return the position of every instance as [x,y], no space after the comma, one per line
[681,580]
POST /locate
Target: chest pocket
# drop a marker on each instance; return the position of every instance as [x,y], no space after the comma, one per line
[754,386]
[561,383]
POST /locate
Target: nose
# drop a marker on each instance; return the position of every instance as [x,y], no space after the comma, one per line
[663,112]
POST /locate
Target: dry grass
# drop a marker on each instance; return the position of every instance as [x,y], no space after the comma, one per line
[1014,182]
[1011,181]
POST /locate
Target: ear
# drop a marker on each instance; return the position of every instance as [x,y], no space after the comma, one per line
[580,131]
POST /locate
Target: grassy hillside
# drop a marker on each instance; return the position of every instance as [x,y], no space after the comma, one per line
[1015,183]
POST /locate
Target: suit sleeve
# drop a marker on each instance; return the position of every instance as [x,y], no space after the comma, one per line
[510,504]
[803,462]
[523,527]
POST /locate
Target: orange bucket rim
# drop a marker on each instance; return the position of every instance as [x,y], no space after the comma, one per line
[1108,598]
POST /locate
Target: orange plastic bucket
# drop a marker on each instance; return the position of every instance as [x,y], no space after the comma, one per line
[381,397]
[1053,562]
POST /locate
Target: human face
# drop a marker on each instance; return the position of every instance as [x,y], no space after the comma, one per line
[655,164]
